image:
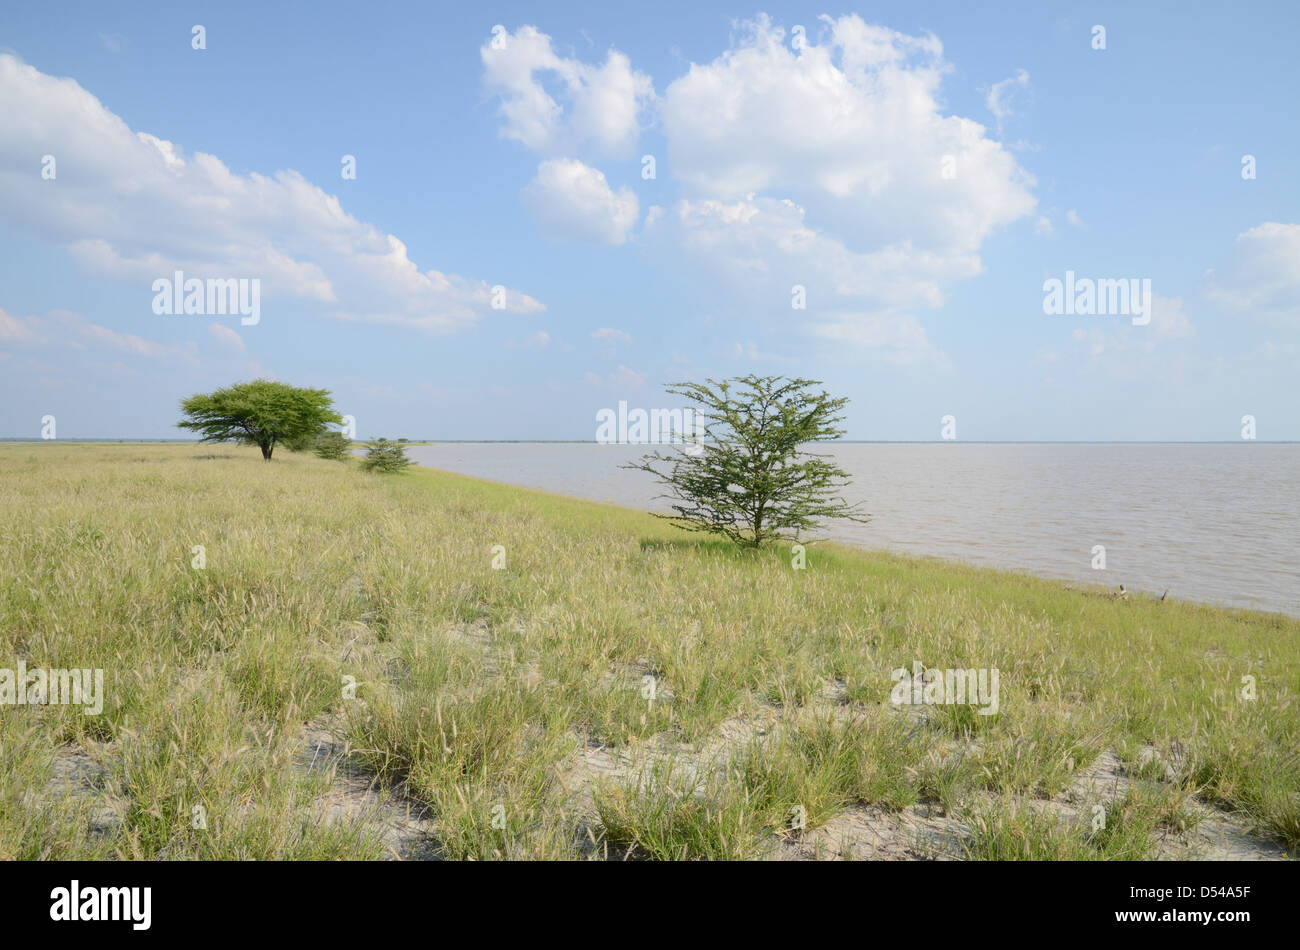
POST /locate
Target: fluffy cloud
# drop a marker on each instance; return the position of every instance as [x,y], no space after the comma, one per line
[763,248]
[852,129]
[756,238]
[834,167]
[600,107]
[573,202]
[1261,277]
[133,206]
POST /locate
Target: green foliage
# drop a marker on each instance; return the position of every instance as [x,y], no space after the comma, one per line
[261,413]
[748,478]
[385,456]
[302,441]
[332,445]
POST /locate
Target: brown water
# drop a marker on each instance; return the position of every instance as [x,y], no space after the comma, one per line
[1218,523]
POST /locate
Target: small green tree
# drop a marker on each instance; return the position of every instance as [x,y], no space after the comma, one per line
[261,413]
[748,477]
[385,456]
[332,445]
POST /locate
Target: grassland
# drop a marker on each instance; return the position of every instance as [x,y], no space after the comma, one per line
[619,688]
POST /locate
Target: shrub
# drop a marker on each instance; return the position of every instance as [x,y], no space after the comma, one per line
[385,456]
[332,445]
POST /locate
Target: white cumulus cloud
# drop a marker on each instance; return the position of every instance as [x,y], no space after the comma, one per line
[834,167]
[851,129]
[598,106]
[133,206]
[571,201]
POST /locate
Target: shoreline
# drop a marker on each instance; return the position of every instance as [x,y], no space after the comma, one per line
[1065,583]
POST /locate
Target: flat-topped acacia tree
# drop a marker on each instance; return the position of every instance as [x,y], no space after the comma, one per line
[748,477]
[261,413]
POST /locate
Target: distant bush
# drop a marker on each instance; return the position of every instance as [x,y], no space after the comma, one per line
[332,445]
[385,456]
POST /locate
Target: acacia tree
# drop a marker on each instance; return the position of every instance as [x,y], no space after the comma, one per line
[261,413]
[748,478]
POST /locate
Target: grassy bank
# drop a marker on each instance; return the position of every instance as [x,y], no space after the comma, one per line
[619,687]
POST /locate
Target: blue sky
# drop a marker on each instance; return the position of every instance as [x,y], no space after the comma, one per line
[522,167]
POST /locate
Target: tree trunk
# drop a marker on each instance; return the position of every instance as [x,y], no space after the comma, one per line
[266,451]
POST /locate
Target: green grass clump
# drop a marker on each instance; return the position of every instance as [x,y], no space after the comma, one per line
[662,813]
[1127,830]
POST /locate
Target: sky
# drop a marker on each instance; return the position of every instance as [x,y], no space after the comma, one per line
[492,221]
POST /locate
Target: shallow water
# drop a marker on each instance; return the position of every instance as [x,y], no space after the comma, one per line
[1218,523]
